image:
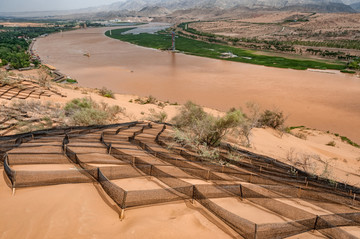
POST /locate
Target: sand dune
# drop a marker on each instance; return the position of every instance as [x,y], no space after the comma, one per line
[79,211]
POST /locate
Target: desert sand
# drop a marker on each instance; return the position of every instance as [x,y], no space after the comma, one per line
[249,211]
[79,211]
[322,100]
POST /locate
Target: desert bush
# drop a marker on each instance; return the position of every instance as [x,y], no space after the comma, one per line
[273,119]
[106,93]
[203,150]
[250,121]
[85,111]
[160,116]
[6,80]
[37,109]
[146,100]
[89,117]
[307,162]
[43,77]
[331,143]
[203,128]
[30,115]
[300,135]
[189,114]
[78,104]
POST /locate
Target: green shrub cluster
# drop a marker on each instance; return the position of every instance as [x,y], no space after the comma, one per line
[85,111]
[354,64]
[15,41]
[106,93]
[203,128]
[272,119]
[159,117]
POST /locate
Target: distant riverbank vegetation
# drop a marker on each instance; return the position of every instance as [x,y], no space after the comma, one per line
[15,42]
[162,41]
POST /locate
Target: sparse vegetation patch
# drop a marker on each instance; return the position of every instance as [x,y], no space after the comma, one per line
[201,128]
[273,119]
[85,111]
[106,93]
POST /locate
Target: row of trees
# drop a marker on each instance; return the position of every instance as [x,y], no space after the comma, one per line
[12,49]
[14,43]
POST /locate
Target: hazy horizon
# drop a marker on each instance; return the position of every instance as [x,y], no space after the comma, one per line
[46,5]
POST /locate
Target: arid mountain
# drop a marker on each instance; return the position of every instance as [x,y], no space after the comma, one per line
[173,5]
[161,8]
[349,2]
[330,7]
[356,6]
[154,11]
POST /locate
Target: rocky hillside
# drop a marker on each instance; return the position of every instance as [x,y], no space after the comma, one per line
[173,5]
[356,6]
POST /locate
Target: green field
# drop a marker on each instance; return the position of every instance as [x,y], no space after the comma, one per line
[162,40]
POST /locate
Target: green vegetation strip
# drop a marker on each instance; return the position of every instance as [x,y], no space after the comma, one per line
[15,41]
[162,41]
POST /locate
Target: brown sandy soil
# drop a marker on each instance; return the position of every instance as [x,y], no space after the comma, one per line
[342,160]
[249,211]
[98,165]
[23,24]
[288,26]
[273,25]
[39,149]
[304,205]
[270,17]
[306,235]
[195,181]
[143,183]
[85,158]
[44,167]
[79,211]
[315,99]
[355,231]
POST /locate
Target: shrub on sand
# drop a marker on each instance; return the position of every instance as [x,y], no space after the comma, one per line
[160,116]
[203,128]
[85,111]
[106,93]
[273,119]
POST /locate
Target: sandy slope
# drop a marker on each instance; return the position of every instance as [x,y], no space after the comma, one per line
[343,160]
[82,211]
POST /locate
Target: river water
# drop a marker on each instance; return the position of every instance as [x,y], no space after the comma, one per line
[322,100]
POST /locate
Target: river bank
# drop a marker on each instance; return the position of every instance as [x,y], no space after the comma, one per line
[317,100]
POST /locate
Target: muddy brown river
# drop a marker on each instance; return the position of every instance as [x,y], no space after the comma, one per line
[321,100]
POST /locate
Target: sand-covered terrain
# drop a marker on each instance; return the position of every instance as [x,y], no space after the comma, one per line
[322,100]
[84,211]
[287,25]
[23,24]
